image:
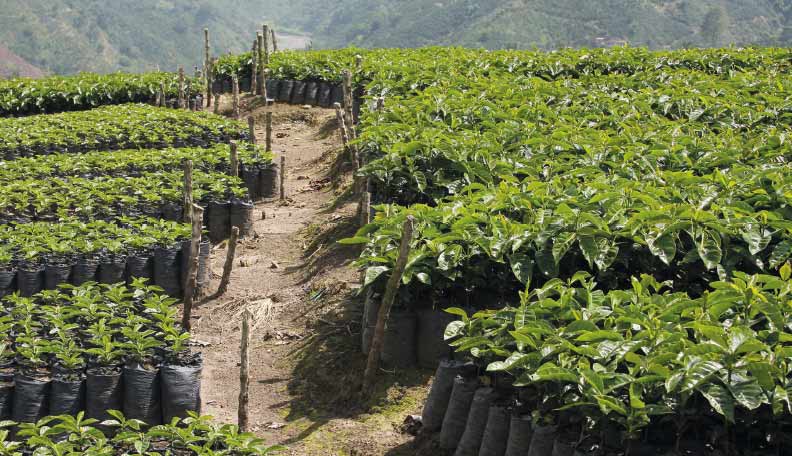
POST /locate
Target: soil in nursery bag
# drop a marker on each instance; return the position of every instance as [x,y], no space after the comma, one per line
[204,259]
[219,225]
[84,269]
[142,393]
[67,394]
[470,442]
[284,91]
[273,86]
[184,259]
[139,264]
[520,434]
[268,181]
[311,93]
[30,279]
[437,402]
[250,176]
[242,216]
[31,397]
[172,211]
[543,440]
[166,270]
[298,93]
[457,413]
[181,389]
[6,399]
[104,391]
[7,278]
[431,346]
[56,273]
[398,346]
[562,447]
[496,434]
[337,95]
[112,268]
[325,95]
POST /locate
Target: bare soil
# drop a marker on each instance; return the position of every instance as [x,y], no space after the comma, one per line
[301,287]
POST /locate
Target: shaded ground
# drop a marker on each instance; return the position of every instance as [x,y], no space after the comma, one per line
[300,285]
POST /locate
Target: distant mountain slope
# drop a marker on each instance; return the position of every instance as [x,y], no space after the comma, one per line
[66,36]
[544,24]
[12,65]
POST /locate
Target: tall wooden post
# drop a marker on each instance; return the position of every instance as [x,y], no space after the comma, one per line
[268,137]
[188,95]
[229,261]
[252,129]
[282,178]
[163,101]
[192,265]
[266,33]
[209,82]
[207,62]
[342,125]
[235,101]
[387,302]
[260,63]
[348,107]
[274,40]
[254,87]
[234,160]
[187,192]
[244,373]
[264,77]
[365,209]
[181,87]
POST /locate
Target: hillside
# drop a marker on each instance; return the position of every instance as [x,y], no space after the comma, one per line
[12,65]
[66,36]
[551,24]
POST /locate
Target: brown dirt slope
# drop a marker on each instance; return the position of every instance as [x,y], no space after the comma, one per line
[300,285]
[12,65]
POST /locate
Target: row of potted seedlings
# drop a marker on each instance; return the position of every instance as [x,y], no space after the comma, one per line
[128,126]
[96,348]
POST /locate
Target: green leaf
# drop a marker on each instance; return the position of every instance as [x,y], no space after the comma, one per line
[373,273]
[709,248]
[354,240]
[721,400]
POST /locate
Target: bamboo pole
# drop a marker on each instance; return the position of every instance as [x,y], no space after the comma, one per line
[192,265]
[235,101]
[266,34]
[268,137]
[187,191]
[254,87]
[181,87]
[282,178]
[234,159]
[274,40]
[229,262]
[252,129]
[244,373]
[388,298]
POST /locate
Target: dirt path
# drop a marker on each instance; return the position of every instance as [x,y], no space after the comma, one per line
[298,283]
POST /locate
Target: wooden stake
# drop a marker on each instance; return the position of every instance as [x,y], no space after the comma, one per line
[234,159]
[254,87]
[181,87]
[188,95]
[365,209]
[274,40]
[210,77]
[192,265]
[348,100]
[207,61]
[162,94]
[229,262]
[266,34]
[391,288]
[187,191]
[235,82]
[342,125]
[260,63]
[282,178]
[268,137]
[252,129]
[264,77]
[244,376]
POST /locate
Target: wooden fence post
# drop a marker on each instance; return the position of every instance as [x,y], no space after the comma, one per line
[188,95]
[229,261]
[260,62]
[162,95]
[244,373]
[192,265]
[391,288]
[235,94]
[254,87]
[209,82]
[365,209]
[217,95]
[274,40]
[268,137]
[252,129]
[282,177]
[264,77]
[266,34]
[187,192]
[342,125]
[348,103]
[181,88]
[234,159]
